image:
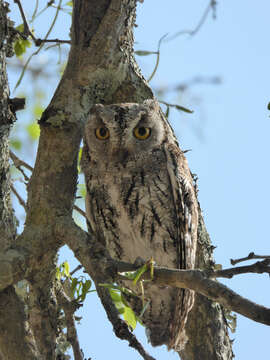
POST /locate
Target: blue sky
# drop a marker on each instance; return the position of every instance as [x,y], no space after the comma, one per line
[229,137]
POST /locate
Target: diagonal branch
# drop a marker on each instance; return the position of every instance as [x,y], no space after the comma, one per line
[20,199]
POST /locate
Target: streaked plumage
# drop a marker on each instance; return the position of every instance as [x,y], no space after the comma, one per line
[141,202]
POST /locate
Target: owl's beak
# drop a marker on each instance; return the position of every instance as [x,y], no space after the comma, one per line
[122,156]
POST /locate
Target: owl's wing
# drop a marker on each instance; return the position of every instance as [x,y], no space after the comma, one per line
[185,203]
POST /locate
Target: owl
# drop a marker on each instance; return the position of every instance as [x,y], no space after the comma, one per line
[141,203]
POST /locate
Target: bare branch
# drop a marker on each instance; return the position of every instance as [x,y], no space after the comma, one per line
[259,268]
[20,199]
[18,162]
[77,268]
[212,5]
[38,42]
[250,256]
[27,32]
[79,210]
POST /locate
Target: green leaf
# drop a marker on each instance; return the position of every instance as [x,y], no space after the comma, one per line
[69,3]
[58,273]
[79,160]
[82,190]
[130,317]
[116,297]
[20,46]
[66,269]
[38,110]
[20,27]
[167,112]
[178,107]
[140,272]
[15,144]
[74,283]
[144,308]
[182,108]
[85,289]
[145,52]
[33,131]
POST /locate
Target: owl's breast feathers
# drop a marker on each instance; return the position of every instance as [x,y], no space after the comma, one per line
[149,210]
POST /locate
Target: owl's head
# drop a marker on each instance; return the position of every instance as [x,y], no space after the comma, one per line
[124,131]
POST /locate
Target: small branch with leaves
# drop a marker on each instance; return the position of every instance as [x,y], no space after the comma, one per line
[27,32]
[69,307]
[204,282]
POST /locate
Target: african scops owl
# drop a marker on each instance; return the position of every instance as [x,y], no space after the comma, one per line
[141,203]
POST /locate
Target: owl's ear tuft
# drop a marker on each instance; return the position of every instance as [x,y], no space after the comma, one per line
[152,104]
[95,108]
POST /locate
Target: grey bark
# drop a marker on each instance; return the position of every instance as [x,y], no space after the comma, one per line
[16,340]
[101,69]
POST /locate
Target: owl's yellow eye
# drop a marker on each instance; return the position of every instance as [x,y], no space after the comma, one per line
[102,133]
[141,132]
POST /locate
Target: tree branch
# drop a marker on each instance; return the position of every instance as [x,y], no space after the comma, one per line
[69,308]
[20,199]
[27,32]
[250,256]
[200,282]
[259,267]
[18,162]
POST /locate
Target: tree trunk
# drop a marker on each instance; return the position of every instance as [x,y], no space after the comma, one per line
[16,341]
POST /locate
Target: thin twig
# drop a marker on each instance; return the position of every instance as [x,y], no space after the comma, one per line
[79,210]
[250,256]
[158,57]
[41,46]
[20,199]
[34,12]
[211,5]
[19,162]
[26,30]
[40,41]
[77,268]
